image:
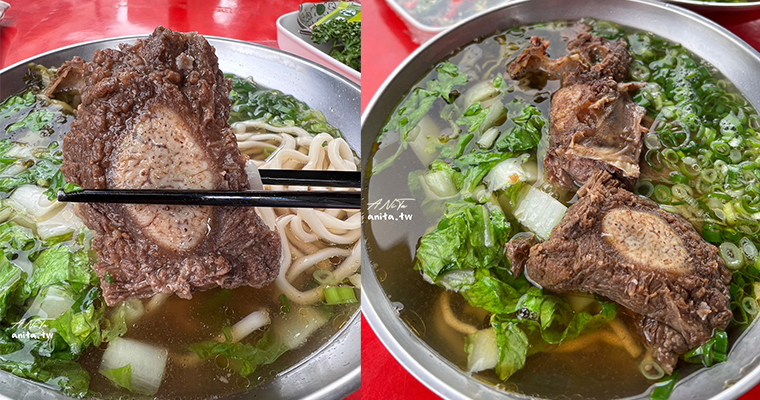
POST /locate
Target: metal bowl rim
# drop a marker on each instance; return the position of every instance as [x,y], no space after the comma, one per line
[750,5]
[214,38]
[435,30]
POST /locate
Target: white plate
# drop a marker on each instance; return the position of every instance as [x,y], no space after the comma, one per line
[291,41]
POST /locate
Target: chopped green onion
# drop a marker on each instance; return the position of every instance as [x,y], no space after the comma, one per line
[340,295]
[692,169]
[720,147]
[325,277]
[750,305]
[681,191]
[749,248]
[661,194]
[664,388]
[732,256]
[671,156]
[657,163]
[639,72]
[652,141]
[754,122]
[721,166]
[644,188]
[651,370]
[710,353]
[735,155]
[711,233]
[678,178]
[718,195]
[709,175]
[728,210]
[731,235]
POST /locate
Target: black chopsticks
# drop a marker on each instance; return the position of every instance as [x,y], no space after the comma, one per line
[295,177]
[264,198]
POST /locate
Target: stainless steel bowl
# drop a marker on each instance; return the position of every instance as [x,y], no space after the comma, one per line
[739,62]
[333,371]
[709,7]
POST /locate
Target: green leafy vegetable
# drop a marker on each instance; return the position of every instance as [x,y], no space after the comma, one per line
[115,325]
[50,345]
[527,131]
[251,102]
[557,323]
[469,236]
[67,375]
[513,344]
[266,351]
[346,40]
[473,116]
[417,104]
[121,377]
[43,170]
[35,121]
[11,279]
[14,104]
[59,264]
[494,295]
[476,166]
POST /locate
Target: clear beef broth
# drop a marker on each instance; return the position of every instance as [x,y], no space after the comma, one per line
[179,323]
[600,370]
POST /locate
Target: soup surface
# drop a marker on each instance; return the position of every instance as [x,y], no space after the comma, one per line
[455,162]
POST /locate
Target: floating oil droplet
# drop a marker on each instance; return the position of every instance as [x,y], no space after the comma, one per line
[414,322]
[241,382]
[222,362]
[340,320]
[511,387]
[397,306]
[381,275]
[228,311]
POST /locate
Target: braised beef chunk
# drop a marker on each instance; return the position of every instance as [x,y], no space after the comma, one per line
[70,78]
[594,122]
[518,251]
[624,247]
[154,116]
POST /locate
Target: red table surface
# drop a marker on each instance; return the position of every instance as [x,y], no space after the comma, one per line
[33,27]
[386,44]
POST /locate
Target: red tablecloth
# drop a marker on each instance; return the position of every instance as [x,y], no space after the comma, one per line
[33,27]
[386,43]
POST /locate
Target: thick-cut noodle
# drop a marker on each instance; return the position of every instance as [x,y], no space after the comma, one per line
[309,236]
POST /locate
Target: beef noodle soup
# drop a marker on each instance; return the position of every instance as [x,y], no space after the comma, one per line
[55,325]
[570,209]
